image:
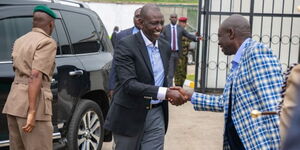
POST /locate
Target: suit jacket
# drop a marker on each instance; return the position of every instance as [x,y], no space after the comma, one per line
[114,39]
[166,34]
[256,85]
[112,73]
[135,86]
[124,33]
[289,100]
[293,133]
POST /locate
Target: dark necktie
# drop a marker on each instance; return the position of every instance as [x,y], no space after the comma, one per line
[174,39]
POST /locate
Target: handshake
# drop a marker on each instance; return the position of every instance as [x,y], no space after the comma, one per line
[178,96]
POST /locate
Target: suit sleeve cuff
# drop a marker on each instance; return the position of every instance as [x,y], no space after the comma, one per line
[161,95]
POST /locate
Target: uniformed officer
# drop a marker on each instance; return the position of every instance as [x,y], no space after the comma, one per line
[181,70]
[28,106]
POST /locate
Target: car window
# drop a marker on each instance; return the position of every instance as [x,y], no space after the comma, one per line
[10,30]
[105,41]
[59,34]
[82,32]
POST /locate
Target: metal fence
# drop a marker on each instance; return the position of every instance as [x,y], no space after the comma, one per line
[275,23]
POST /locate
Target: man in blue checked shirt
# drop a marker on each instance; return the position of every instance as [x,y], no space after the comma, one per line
[254,83]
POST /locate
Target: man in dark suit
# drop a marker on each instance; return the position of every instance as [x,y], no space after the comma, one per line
[119,36]
[132,30]
[138,116]
[113,36]
[173,34]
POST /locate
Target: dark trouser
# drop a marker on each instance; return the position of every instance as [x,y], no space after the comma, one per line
[232,136]
[234,140]
[172,66]
[151,138]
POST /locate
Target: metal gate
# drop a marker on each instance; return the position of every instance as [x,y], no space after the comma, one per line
[275,23]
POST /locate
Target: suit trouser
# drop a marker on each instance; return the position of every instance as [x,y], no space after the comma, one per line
[40,138]
[172,66]
[151,138]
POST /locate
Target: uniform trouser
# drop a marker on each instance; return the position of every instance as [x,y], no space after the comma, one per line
[172,66]
[151,138]
[40,138]
[181,70]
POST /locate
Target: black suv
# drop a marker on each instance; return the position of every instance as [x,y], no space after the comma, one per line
[79,85]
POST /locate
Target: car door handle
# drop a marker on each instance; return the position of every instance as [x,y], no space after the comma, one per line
[76,73]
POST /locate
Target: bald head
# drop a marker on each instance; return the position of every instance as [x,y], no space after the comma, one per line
[43,21]
[136,18]
[138,11]
[173,15]
[152,21]
[173,18]
[239,25]
[232,33]
[147,9]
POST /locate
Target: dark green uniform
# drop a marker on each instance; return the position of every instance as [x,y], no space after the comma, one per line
[181,70]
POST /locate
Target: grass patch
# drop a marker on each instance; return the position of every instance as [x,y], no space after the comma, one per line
[190,77]
[145,1]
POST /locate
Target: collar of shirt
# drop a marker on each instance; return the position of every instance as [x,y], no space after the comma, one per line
[40,31]
[148,42]
[157,67]
[173,25]
[135,30]
[236,59]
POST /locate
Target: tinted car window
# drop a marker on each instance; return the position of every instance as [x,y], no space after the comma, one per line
[83,41]
[105,41]
[14,28]
[60,36]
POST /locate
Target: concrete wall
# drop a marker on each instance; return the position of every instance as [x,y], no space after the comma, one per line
[263,27]
[121,15]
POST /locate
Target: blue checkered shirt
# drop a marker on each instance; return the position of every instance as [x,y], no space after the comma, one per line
[256,86]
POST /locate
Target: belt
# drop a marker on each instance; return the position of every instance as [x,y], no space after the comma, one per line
[151,106]
[25,80]
[175,51]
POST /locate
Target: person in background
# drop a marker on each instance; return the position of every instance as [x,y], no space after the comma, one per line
[289,95]
[28,106]
[113,36]
[254,83]
[173,34]
[119,36]
[181,70]
[291,139]
[138,115]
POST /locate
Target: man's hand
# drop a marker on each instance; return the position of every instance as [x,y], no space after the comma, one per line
[34,88]
[187,95]
[175,97]
[110,93]
[199,37]
[30,122]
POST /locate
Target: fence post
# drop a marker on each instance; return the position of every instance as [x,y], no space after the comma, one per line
[198,43]
[204,47]
[251,15]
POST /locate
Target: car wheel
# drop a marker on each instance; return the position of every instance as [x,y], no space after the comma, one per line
[86,127]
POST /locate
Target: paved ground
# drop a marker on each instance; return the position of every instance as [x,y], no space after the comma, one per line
[191,130]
